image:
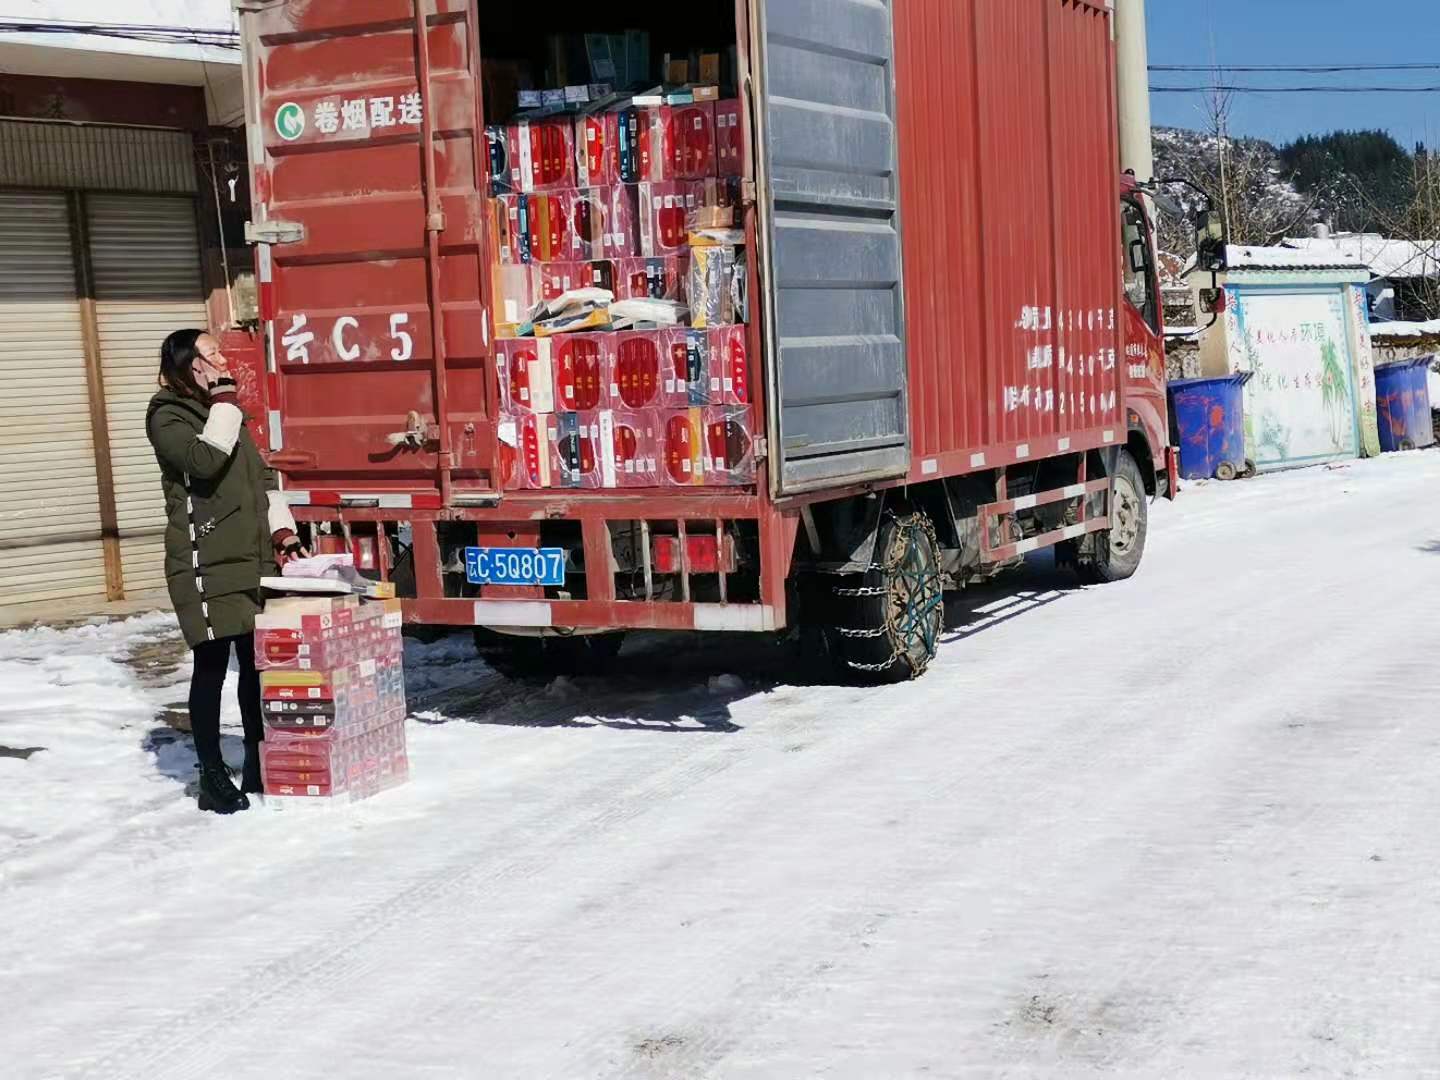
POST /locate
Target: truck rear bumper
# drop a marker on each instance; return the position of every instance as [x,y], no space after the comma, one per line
[697,594]
[533,615]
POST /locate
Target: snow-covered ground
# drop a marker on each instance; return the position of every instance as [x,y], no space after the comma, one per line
[1180,827]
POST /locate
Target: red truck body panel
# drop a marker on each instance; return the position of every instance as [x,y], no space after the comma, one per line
[1011,222]
[353,334]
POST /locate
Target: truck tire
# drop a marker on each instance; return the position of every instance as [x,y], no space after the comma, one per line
[885,624]
[541,659]
[1119,549]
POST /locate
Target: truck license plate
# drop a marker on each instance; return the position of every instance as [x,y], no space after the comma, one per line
[515,566]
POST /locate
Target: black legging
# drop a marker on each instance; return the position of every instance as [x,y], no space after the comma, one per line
[212,658]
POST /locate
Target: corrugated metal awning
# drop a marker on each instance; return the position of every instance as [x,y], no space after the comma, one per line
[60,155]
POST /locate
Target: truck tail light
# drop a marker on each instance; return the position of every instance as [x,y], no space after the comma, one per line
[705,555]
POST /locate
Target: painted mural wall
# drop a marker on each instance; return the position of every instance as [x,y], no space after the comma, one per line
[1364,352]
[1312,397]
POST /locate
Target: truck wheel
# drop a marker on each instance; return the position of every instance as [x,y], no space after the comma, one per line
[885,623]
[534,658]
[1118,550]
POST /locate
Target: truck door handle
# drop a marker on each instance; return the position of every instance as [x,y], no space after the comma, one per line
[285,460]
[416,434]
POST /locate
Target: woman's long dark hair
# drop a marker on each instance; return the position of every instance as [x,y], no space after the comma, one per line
[177,359]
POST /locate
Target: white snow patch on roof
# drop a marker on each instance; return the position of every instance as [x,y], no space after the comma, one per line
[1405,329]
[1285,258]
[1386,258]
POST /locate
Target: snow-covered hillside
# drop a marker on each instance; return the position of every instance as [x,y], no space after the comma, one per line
[1265,204]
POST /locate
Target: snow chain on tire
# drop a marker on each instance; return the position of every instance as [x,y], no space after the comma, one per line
[917,610]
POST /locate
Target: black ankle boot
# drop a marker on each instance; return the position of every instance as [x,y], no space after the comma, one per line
[217,791]
[250,780]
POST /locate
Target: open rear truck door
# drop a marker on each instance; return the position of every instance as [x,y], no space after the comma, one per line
[829,197]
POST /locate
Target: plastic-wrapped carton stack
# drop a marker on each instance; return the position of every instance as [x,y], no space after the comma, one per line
[332,685]
[624,200]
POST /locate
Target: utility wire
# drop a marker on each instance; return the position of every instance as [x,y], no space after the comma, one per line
[1239,89]
[1307,69]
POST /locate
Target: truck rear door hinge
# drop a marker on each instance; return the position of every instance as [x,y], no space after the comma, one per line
[762,448]
[747,192]
[274,232]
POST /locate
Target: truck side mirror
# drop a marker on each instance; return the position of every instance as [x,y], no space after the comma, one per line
[1212,301]
[1210,242]
[1210,226]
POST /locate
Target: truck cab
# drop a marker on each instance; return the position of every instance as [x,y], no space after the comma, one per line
[1144,340]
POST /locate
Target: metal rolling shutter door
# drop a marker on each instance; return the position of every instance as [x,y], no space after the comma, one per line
[50,547]
[146,258]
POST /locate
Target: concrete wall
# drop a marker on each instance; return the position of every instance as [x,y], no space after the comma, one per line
[86,56]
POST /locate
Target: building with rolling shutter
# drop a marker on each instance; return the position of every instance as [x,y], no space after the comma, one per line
[118,224]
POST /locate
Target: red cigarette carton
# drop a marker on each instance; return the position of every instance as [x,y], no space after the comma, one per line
[682,448]
[629,448]
[660,278]
[729,139]
[582,364]
[637,375]
[729,445]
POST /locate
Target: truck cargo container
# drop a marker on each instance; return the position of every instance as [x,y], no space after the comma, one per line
[953,354]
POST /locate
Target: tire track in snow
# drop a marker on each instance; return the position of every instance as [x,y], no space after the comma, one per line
[343,959]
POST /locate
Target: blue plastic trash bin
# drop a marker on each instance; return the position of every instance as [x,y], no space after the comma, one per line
[1210,424]
[1402,399]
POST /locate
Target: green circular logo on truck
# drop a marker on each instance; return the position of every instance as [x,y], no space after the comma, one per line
[290,121]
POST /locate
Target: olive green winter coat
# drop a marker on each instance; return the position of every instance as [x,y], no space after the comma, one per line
[220,501]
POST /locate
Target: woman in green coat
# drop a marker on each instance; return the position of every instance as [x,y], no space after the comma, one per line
[227,526]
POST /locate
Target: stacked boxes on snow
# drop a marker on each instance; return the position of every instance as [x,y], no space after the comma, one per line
[332,685]
[639,200]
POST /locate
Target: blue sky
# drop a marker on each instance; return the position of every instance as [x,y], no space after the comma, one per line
[1302,32]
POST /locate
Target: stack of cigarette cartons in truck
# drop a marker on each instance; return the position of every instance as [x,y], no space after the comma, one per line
[619,280]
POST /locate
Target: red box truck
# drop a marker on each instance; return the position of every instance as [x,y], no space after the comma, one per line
[954,348]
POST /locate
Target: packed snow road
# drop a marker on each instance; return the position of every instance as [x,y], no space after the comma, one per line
[1179,827]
